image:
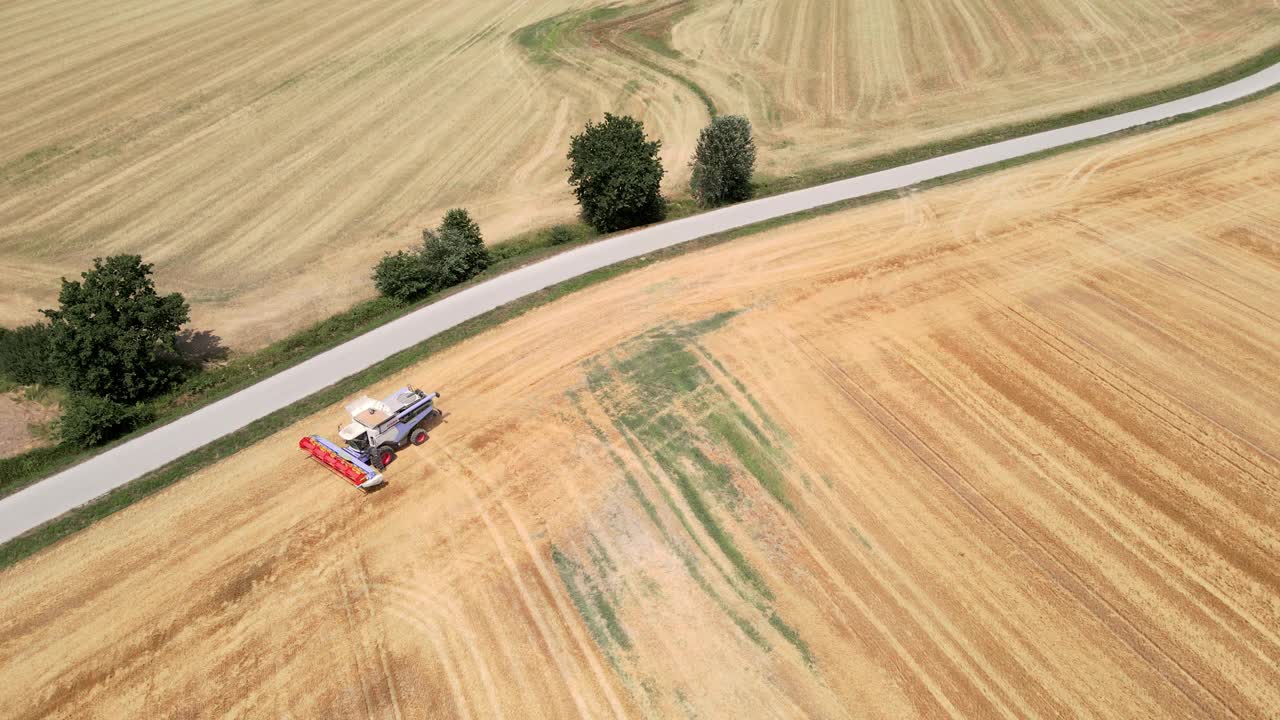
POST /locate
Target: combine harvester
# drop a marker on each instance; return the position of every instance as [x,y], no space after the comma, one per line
[377,431]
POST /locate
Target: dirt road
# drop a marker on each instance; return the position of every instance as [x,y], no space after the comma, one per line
[1004,448]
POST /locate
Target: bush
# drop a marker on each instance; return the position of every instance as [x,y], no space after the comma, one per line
[89,420]
[405,276]
[561,234]
[450,254]
[723,162]
[113,335]
[24,355]
[616,174]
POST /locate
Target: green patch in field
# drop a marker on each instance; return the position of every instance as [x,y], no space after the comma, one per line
[659,44]
[750,631]
[716,477]
[35,163]
[697,329]
[686,559]
[692,86]
[861,538]
[684,702]
[678,421]
[665,382]
[742,388]
[600,557]
[751,452]
[661,371]
[602,622]
[792,637]
[751,427]
[546,39]
[285,84]
[721,537]
[606,613]
[668,499]
[654,36]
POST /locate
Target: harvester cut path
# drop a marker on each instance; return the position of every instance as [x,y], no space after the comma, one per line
[378,429]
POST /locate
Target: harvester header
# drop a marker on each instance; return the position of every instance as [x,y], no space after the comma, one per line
[332,457]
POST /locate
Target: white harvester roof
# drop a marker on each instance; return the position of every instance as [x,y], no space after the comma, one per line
[369,414]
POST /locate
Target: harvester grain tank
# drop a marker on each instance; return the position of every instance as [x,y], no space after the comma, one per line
[377,430]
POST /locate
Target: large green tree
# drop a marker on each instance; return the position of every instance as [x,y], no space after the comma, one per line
[616,174]
[723,161]
[113,336]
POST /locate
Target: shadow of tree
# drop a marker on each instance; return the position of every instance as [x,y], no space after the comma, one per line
[198,348]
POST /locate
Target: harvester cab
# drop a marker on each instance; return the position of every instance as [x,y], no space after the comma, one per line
[378,429]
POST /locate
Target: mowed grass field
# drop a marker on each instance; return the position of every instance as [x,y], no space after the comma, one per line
[264,155]
[1008,447]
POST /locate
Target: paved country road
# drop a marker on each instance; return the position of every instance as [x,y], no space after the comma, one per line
[46,500]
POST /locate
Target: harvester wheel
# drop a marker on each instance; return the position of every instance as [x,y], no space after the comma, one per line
[418,436]
[383,456]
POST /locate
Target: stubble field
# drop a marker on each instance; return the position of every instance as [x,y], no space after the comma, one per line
[264,155]
[1003,448]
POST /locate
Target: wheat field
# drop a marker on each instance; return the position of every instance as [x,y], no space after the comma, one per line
[264,155]
[1004,448]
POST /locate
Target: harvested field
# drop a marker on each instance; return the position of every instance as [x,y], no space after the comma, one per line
[1009,447]
[20,417]
[831,81]
[264,155]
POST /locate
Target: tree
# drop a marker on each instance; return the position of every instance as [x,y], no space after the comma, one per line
[114,336]
[457,248]
[616,174]
[724,161]
[450,254]
[24,355]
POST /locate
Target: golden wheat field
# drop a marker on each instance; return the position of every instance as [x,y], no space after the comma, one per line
[1005,448]
[264,155]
